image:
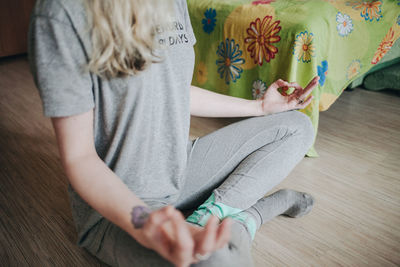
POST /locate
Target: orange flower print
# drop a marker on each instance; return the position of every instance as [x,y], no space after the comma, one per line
[353,69]
[370,9]
[304,47]
[384,46]
[261,36]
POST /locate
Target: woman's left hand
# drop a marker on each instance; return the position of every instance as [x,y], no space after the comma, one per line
[273,101]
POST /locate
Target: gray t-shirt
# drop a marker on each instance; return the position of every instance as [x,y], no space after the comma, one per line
[141,123]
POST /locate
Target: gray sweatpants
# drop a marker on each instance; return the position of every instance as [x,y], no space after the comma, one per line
[240,163]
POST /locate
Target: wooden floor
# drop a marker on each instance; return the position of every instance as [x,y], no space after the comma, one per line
[355,181]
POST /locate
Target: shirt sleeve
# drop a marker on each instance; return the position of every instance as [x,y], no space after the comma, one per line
[188,23]
[58,59]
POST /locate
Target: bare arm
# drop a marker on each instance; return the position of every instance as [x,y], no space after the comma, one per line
[205,103]
[89,175]
[165,231]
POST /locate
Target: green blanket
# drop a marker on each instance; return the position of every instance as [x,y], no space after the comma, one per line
[243,46]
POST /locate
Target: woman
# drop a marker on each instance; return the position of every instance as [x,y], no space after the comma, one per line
[115,77]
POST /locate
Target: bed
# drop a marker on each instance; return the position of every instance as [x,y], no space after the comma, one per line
[243,46]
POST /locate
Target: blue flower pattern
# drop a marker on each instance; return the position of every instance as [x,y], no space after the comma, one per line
[209,20]
[322,72]
[229,61]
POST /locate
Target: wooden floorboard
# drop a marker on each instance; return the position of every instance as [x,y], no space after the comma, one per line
[355,181]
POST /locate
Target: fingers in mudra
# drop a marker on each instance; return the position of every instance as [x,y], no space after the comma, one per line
[224,233]
[183,248]
[167,233]
[274,101]
[208,239]
[212,237]
[303,93]
[302,96]
[299,103]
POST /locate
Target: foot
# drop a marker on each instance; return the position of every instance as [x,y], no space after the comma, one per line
[301,203]
[283,202]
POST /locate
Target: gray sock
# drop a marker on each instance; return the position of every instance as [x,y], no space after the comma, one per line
[283,202]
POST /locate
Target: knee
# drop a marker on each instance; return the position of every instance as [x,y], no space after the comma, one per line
[291,123]
[236,253]
[302,127]
[306,129]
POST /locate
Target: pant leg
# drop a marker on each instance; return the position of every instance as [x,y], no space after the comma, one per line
[117,248]
[120,249]
[246,159]
[215,157]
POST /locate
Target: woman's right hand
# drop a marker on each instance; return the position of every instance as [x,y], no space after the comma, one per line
[167,232]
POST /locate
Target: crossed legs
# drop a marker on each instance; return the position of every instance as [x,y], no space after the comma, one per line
[235,165]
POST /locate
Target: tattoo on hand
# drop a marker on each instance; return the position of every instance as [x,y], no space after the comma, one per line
[139,214]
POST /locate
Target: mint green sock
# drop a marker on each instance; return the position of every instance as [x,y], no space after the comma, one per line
[203,213]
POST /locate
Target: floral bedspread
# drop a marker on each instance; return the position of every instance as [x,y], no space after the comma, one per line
[243,46]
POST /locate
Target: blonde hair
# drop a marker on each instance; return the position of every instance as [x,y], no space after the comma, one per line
[123,34]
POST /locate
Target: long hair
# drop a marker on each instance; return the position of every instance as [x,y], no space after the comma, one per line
[123,34]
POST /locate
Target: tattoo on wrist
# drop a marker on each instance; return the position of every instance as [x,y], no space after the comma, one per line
[139,216]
